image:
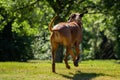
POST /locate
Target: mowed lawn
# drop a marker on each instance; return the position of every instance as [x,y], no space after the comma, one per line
[41,70]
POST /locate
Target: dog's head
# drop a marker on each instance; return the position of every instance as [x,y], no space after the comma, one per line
[76,17]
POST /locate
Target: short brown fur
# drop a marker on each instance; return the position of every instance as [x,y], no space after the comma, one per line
[68,34]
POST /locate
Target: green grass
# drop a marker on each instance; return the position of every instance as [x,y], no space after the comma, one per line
[41,70]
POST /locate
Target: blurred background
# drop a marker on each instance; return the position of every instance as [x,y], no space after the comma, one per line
[24,33]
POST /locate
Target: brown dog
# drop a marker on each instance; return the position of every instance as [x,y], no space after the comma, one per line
[68,34]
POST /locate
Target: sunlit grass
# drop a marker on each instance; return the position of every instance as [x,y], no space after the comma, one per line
[41,70]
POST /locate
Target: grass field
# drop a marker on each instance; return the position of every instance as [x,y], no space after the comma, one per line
[41,70]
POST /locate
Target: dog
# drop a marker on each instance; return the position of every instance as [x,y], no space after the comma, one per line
[68,34]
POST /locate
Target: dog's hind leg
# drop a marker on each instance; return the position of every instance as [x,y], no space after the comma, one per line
[54,49]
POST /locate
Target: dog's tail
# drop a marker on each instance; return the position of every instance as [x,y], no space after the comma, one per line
[52,21]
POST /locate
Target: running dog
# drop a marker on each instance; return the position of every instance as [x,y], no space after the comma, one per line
[68,34]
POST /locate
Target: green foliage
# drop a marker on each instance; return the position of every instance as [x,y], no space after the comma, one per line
[41,46]
[24,27]
[101,26]
[20,21]
[92,29]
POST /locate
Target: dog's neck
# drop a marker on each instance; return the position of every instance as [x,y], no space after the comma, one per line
[79,23]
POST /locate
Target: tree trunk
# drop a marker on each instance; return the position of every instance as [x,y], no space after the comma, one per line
[7,39]
[59,54]
[106,48]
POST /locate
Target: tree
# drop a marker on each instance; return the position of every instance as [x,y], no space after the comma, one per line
[98,26]
[24,28]
[115,13]
[16,31]
[99,10]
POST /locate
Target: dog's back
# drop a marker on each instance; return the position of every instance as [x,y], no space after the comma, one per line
[66,33]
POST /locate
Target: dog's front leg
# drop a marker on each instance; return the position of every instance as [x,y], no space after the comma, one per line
[77,55]
[72,54]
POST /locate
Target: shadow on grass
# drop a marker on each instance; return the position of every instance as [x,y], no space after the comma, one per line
[82,76]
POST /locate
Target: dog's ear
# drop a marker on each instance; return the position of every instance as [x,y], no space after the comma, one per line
[71,17]
[81,15]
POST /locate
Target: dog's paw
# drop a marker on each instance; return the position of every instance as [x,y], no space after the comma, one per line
[76,63]
[68,67]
